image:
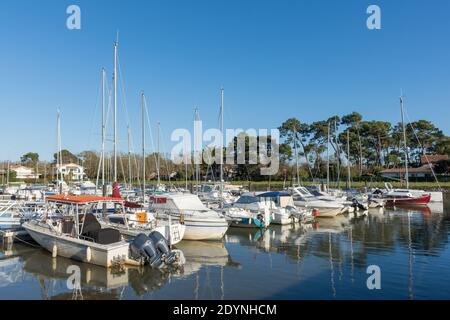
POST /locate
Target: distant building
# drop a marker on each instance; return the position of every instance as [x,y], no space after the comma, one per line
[23,173]
[428,164]
[70,171]
[434,158]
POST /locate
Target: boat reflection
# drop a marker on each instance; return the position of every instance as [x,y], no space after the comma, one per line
[272,239]
[199,254]
[97,282]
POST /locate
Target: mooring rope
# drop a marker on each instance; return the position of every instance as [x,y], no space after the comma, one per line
[21,240]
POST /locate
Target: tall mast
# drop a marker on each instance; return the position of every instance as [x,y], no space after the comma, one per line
[186,169]
[338,153]
[115,109]
[296,157]
[7,174]
[348,160]
[328,157]
[59,160]
[221,147]
[157,157]
[129,155]
[103,132]
[143,146]
[197,165]
[405,143]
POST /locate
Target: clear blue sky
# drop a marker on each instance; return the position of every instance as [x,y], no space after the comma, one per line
[275,59]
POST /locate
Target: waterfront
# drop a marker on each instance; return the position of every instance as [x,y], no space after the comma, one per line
[325,260]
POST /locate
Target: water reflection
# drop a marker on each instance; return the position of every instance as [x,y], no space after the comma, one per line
[323,260]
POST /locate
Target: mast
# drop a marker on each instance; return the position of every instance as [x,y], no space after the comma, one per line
[129,155]
[143,146]
[186,171]
[103,133]
[157,157]
[198,153]
[221,147]
[296,157]
[349,180]
[405,143]
[7,174]
[328,157]
[338,153]
[115,109]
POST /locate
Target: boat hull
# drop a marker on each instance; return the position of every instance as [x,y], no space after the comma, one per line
[205,230]
[77,249]
[174,234]
[283,219]
[420,201]
[248,223]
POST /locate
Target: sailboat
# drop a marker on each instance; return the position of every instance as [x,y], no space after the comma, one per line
[398,197]
[136,219]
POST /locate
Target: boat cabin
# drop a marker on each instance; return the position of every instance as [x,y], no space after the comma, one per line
[73,215]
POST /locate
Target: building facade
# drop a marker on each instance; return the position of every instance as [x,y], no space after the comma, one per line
[70,171]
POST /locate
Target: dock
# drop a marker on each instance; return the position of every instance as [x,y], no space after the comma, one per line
[9,236]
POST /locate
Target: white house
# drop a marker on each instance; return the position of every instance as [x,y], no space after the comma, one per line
[71,171]
[23,173]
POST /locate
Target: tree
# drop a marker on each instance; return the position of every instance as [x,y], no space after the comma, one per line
[353,120]
[66,157]
[30,159]
[296,134]
[91,161]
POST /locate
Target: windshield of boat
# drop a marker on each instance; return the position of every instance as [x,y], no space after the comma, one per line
[188,202]
[247,199]
[206,188]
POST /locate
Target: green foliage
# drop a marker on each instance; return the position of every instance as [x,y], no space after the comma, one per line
[66,157]
[30,158]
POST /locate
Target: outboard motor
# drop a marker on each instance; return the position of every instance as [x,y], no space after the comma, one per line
[358,205]
[153,250]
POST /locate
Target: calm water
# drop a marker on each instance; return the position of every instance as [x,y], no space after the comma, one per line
[327,260]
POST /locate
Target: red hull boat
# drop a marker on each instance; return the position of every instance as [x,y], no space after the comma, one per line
[408,200]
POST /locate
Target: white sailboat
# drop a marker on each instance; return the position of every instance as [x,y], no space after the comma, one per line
[136,219]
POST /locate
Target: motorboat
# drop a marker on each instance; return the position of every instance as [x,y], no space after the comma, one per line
[400,197]
[283,208]
[326,207]
[244,218]
[213,196]
[201,222]
[133,219]
[69,229]
[133,222]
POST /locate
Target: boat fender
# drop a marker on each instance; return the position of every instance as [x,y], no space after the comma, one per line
[54,251]
[315,212]
[88,254]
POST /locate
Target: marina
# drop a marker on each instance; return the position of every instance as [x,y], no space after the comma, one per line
[224,151]
[325,260]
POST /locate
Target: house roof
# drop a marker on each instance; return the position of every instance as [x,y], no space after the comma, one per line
[432,158]
[423,169]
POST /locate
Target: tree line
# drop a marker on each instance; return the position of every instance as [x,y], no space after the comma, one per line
[305,149]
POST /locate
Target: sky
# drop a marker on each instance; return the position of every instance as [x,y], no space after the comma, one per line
[275,59]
